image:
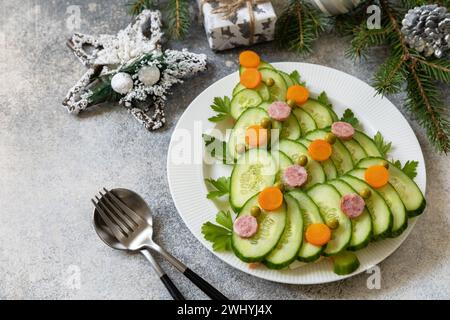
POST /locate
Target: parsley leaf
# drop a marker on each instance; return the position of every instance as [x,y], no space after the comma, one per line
[323,99]
[221,187]
[224,219]
[410,167]
[216,148]
[349,117]
[295,76]
[220,236]
[382,145]
[223,108]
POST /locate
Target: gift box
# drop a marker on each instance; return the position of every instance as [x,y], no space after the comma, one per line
[234,23]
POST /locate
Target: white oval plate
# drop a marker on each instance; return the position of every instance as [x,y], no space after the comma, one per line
[186,179]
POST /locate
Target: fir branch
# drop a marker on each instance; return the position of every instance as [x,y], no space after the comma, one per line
[438,69]
[348,23]
[298,26]
[365,38]
[426,104]
[138,6]
[390,77]
[423,98]
[178,18]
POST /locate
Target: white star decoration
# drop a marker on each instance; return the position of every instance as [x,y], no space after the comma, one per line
[136,47]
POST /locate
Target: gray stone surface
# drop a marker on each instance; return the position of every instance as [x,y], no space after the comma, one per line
[51,163]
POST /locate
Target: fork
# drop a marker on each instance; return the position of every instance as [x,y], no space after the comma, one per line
[135,233]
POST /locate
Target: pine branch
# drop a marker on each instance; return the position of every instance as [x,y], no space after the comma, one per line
[178,18]
[298,26]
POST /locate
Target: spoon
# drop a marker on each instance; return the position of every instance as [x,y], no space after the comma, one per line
[137,204]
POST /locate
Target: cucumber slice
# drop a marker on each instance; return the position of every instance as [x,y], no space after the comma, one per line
[307,123]
[264,105]
[282,161]
[406,188]
[328,166]
[262,64]
[290,129]
[310,213]
[286,78]
[323,116]
[278,90]
[271,227]
[304,142]
[379,210]
[362,225]
[356,151]
[328,200]
[262,90]
[340,156]
[243,100]
[345,263]
[249,117]
[254,171]
[293,150]
[238,88]
[287,248]
[367,144]
[399,216]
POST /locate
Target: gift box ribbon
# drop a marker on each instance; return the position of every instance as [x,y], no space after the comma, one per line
[229,8]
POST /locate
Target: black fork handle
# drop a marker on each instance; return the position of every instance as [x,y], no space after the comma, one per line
[170,286]
[203,285]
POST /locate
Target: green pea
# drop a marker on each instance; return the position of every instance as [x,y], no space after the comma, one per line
[270,82]
[365,193]
[330,138]
[255,211]
[333,223]
[265,123]
[302,160]
[291,103]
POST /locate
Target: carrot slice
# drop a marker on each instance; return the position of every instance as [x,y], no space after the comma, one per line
[270,199]
[297,93]
[251,78]
[376,176]
[256,136]
[249,59]
[320,150]
[318,234]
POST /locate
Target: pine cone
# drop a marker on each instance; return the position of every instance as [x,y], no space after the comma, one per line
[427,29]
